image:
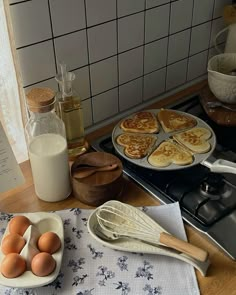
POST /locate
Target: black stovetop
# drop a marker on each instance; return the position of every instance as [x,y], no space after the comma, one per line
[206,199]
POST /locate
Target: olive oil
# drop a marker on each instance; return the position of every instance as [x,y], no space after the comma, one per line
[69,109]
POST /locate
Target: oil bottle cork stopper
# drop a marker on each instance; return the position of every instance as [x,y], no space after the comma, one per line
[40,99]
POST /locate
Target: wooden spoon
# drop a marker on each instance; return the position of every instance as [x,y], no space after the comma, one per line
[87,171]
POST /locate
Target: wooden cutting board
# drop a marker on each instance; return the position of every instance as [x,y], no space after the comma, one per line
[219,115]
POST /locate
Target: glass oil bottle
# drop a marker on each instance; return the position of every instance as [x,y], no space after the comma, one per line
[69,109]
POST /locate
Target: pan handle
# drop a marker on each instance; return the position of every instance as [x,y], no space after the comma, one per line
[220,165]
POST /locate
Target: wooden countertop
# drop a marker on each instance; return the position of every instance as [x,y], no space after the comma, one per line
[221,275]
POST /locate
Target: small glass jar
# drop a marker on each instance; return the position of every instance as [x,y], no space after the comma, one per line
[47,147]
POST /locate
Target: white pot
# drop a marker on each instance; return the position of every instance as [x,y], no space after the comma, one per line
[221,83]
[230,46]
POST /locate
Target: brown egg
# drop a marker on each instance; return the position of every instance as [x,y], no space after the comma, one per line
[43,264]
[12,243]
[49,242]
[13,265]
[19,224]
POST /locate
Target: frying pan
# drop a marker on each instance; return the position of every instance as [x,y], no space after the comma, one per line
[206,159]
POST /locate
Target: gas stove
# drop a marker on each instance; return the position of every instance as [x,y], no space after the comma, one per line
[207,200]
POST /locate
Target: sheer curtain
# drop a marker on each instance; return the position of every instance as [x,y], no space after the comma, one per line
[12,108]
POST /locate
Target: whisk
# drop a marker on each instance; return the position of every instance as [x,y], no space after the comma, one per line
[122,220]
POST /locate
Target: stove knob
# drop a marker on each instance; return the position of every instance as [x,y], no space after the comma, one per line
[213,184]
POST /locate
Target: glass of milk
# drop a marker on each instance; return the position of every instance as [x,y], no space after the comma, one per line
[47,147]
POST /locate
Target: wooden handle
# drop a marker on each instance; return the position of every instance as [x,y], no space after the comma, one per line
[183,247]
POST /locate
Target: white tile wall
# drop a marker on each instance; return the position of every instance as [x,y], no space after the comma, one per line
[72,49]
[181,15]
[102,41]
[154,84]
[197,65]
[104,75]
[100,11]
[61,10]
[155,55]
[153,3]
[130,31]
[202,11]
[200,38]
[105,105]
[125,7]
[176,74]
[14,1]
[123,52]
[130,94]
[157,23]
[130,65]
[38,62]
[27,22]
[178,46]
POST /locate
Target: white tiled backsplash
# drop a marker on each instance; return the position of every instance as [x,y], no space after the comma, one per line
[124,53]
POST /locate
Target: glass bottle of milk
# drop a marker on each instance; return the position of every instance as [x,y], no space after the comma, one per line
[47,147]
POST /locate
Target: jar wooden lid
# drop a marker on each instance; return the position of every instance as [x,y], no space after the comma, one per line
[101,186]
[40,99]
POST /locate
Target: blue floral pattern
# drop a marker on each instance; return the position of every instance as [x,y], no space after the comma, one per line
[89,268]
[144,271]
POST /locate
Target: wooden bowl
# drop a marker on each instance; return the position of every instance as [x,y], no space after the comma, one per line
[101,186]
[219,115]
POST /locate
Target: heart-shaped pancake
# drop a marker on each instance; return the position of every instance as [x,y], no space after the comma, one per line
[141,122]
[136,146]
[169,152]
[174,121]
[195,139]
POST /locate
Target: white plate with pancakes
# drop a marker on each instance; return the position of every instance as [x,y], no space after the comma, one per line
[166,135]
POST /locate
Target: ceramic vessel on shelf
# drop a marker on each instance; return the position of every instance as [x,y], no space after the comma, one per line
[230,45]
[220,78]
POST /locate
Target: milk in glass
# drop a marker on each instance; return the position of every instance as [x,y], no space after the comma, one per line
[47,147]
[48,158]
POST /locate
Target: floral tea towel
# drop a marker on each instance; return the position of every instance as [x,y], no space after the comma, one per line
[89,268]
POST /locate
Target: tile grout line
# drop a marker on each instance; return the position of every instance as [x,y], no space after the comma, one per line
[117,56]
[53,43]
[189,47]
[168,40]
[144,48]
[89,65]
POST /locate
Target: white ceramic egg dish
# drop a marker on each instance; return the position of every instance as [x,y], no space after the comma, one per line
[41,222]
